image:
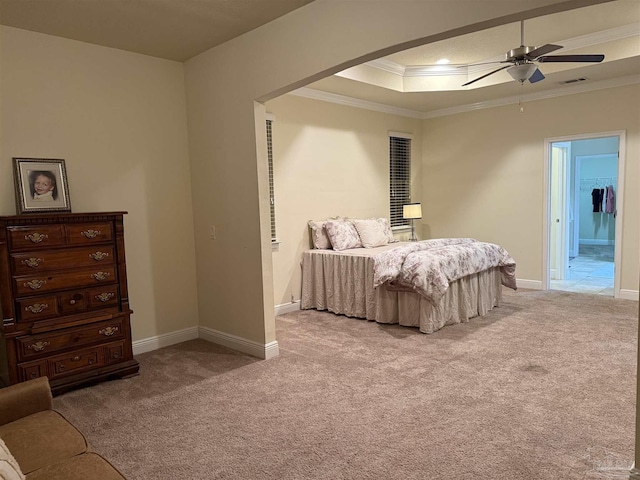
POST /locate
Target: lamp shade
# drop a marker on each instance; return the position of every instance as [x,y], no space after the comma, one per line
[522,72]
[412,210]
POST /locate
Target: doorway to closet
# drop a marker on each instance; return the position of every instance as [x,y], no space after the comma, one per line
[583,215]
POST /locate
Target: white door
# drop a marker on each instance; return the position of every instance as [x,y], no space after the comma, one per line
[559,239]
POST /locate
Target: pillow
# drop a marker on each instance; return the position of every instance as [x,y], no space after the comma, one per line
[319,235]
[9,468]
[372,232]
[342,234]
[387,229]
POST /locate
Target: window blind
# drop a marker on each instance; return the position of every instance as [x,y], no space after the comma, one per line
[400,178]
[272,201]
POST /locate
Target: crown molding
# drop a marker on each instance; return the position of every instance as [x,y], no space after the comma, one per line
[553,93]
[617,33]
[575,43]
[388,66]
[380,107]
[354,102]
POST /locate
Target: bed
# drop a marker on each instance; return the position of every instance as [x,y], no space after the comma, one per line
[373,283]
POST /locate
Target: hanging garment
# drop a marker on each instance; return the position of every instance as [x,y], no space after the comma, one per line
[596,196]
[611,200]
[601,199]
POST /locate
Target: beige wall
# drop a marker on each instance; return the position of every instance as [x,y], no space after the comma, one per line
[119,121]
[483,172]
[329,160]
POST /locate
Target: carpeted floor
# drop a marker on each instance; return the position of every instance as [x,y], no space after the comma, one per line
[542,388]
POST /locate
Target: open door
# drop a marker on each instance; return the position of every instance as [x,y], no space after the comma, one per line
[559,218]
[574,180]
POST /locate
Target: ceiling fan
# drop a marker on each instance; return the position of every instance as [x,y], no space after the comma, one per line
[523,61]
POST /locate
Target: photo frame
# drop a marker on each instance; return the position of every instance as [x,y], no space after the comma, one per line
[41,185]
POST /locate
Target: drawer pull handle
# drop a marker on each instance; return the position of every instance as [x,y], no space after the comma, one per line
[36,307]
[109,331]
[91,361]
[38,346]
[105,297]
[61,366]
[36,237]
[33,375]
[72,301]
[76,358]
[35,284]
[32,262]
[116,355]
[90,233]
[97,256]
[99,276]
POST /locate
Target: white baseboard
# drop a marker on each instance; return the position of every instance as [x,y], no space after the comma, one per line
[287,308]
[270,350]
[629,294]
[164,340]
[249,347]
[532,284]
[596,241]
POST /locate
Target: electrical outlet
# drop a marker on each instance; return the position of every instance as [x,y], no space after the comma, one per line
[212,232]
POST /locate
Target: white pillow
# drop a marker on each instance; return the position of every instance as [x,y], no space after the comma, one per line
[319,235]
[9,468]
[343,234]
[371,231]
[387,229]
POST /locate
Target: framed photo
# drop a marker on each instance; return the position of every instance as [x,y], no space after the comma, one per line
[41,185]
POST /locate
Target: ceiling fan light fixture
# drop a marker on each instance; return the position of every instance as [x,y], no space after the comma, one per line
[522,72]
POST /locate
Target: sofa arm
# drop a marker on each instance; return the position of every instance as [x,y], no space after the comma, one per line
[23,399]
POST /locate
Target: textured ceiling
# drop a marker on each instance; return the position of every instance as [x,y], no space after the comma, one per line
[171,29]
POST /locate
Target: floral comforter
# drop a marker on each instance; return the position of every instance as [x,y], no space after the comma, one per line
[429,266]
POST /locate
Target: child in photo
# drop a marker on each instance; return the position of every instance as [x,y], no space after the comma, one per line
[43,186]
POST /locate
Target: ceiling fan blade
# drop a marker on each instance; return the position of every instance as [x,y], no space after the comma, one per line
[543,50]
[536,77]
[571,58]
[481,63]
[486,75]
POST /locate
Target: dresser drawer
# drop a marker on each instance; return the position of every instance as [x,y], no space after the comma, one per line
[37,308]
[113,352]
[73,362]
[28,263]
[31,284]
[31,370]
[73,302]
[103,296]
[66,303]
[34,346]
[42,236]
[85,233]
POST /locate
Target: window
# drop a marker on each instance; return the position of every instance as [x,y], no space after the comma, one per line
[400,177]
[272,201]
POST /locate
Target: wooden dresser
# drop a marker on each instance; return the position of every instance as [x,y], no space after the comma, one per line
[64,300]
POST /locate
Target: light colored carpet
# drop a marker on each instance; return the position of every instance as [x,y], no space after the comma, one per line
[542,387]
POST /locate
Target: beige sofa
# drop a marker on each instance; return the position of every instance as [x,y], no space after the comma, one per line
[38,443]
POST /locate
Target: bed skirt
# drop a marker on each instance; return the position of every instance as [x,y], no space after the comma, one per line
[343,284]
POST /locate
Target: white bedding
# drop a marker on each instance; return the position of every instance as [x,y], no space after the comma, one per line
[343,283]
[428,267]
